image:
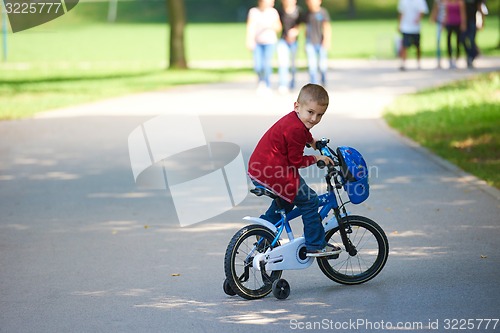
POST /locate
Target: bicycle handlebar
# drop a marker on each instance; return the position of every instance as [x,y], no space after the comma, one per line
[322,146]
[321,164]
[333,171]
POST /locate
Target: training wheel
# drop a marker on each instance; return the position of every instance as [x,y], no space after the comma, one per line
[281,289]
[227,288]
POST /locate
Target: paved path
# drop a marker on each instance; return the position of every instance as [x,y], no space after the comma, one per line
[83,249]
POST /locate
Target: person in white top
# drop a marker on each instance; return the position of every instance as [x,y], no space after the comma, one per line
[410,15]
[263,25]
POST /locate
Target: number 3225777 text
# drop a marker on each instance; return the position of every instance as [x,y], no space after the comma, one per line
[32,8]
[470,324]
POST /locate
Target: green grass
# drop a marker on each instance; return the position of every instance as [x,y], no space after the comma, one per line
[24,96]
[63,41]
[230,10]
[459,122]
[375,38]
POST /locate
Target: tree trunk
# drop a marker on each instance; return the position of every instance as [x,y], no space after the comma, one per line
[177,18]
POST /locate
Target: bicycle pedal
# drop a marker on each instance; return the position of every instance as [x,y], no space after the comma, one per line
[333,256]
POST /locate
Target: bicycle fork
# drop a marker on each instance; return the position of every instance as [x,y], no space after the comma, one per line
[249,262]
[344,230]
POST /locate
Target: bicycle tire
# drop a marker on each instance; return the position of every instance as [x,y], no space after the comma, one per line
[245,280]
[372,252]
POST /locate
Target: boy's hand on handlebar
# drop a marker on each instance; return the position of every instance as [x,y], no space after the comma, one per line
[327,160]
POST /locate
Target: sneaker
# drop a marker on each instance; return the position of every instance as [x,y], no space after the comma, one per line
[328,250]
[469,63]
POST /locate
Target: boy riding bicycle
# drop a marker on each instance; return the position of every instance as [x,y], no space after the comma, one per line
[279,154]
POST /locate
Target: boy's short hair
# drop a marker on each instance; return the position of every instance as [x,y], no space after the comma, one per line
[313,92]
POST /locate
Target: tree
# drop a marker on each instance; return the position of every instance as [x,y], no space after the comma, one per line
[177,17]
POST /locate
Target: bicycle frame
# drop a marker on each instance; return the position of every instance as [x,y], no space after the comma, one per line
[265,254]
[327,202]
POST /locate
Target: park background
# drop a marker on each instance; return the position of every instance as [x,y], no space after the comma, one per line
[104,49]
[123,47]
[137,31]
[85,250]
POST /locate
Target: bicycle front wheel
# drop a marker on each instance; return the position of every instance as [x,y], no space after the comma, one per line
[372,250]
[244,279]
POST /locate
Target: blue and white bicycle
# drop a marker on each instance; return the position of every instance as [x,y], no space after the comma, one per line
[257,254]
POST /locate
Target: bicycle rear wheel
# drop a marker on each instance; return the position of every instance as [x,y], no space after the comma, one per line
[245,280]
[372,250]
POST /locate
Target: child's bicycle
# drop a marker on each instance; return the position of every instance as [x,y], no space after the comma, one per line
[256,257]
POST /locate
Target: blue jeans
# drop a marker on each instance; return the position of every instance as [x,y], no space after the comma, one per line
[307,202]
[438,36]
[286,60]
[317,60]
[453,29]
[263,57]
[470,41]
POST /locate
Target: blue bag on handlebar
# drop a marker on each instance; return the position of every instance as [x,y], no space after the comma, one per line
[355,174]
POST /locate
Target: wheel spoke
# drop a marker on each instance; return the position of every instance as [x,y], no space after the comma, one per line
[372,249]
[245,279]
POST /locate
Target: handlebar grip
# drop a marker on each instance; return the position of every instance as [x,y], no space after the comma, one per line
[321,164]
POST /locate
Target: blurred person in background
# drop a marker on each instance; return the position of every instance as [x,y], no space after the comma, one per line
[291,16]
[318,39]
[474,9]
[263,25]
[437,16]
[455,24]
[409,19]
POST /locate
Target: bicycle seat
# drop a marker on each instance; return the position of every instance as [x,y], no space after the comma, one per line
[260,191]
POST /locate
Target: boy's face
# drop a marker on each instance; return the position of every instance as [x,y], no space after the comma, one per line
[310,113]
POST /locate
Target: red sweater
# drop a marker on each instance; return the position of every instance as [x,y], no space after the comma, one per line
[279,154]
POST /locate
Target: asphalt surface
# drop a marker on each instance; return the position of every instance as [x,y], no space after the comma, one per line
[84,249]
